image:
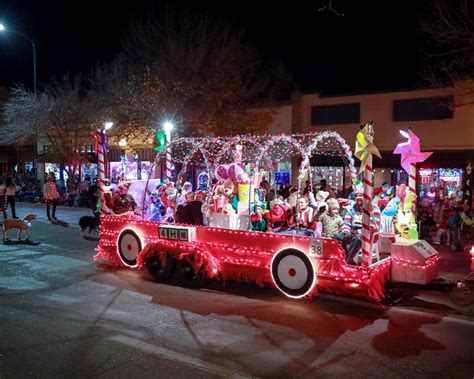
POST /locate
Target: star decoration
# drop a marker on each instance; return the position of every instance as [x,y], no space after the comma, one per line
[365,146]
[410,151]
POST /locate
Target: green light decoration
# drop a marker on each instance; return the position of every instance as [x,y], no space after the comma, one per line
[161,139]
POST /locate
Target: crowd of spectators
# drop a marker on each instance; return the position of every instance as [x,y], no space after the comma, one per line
[28,189]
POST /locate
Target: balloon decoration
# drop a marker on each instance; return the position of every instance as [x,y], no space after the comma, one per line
[221,172]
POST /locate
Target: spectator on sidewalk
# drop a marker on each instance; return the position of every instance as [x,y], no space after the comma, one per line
[463,228]
[441,197]
[50,196]
[9,190]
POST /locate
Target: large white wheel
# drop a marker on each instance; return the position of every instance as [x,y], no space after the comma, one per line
[293,273]
[129,246]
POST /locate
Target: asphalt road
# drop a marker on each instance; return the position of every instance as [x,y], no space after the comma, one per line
[63,316]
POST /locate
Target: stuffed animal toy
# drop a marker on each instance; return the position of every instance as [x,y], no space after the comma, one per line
[157,208]
[410,199]
[406,224]
[228,209]
[229,192]
[218,199]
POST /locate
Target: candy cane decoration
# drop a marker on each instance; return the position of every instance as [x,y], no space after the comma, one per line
[100,151]
[168,162]
[365,148]
[412,178]
[366,240]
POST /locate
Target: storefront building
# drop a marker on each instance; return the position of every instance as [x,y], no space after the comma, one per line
[445,130]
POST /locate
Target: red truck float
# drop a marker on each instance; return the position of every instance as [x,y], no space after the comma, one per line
[298,266]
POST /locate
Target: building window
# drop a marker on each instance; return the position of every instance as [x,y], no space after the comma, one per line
[432,108]
[335,114]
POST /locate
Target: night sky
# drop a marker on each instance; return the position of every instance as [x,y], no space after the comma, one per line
[376,45]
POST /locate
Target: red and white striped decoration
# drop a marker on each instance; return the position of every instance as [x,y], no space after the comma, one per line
[100,151]
[368,186]
[412,178]
[168,162]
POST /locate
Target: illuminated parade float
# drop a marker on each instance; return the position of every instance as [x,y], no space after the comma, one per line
[226,227]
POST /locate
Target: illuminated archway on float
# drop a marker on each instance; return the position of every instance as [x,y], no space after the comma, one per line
[259,149]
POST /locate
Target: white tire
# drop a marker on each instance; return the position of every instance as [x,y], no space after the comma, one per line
[129,246]
[293,273]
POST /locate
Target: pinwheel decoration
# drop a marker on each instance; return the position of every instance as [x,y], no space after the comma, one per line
[410,151]
[365,146]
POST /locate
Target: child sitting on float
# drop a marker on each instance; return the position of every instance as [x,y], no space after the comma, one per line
[303,220]
[186,188]
[258,218]
[330,218]
[280,215]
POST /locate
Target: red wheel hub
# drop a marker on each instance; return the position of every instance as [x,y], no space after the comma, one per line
[292,272]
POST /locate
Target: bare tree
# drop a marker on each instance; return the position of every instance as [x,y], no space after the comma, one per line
[19,118]
[330,8]
[60,115]
[201,71]
[65,125]
[119,91]
[450,60]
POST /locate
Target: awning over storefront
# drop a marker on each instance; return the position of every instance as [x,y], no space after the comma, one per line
[441,159]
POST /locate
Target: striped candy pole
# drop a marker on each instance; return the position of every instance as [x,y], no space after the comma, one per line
[412,178]
[100,151]
[168,162]
[366,241]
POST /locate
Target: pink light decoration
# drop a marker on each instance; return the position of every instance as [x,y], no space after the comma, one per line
[410,156]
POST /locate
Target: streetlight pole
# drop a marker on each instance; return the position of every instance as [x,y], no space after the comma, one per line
[33,46]
[168,127]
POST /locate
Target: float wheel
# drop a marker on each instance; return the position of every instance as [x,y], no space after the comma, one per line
[293,273]
[187,276]
[157,271]
[129,246]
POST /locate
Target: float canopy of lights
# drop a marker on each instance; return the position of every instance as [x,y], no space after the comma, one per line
[259,149]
